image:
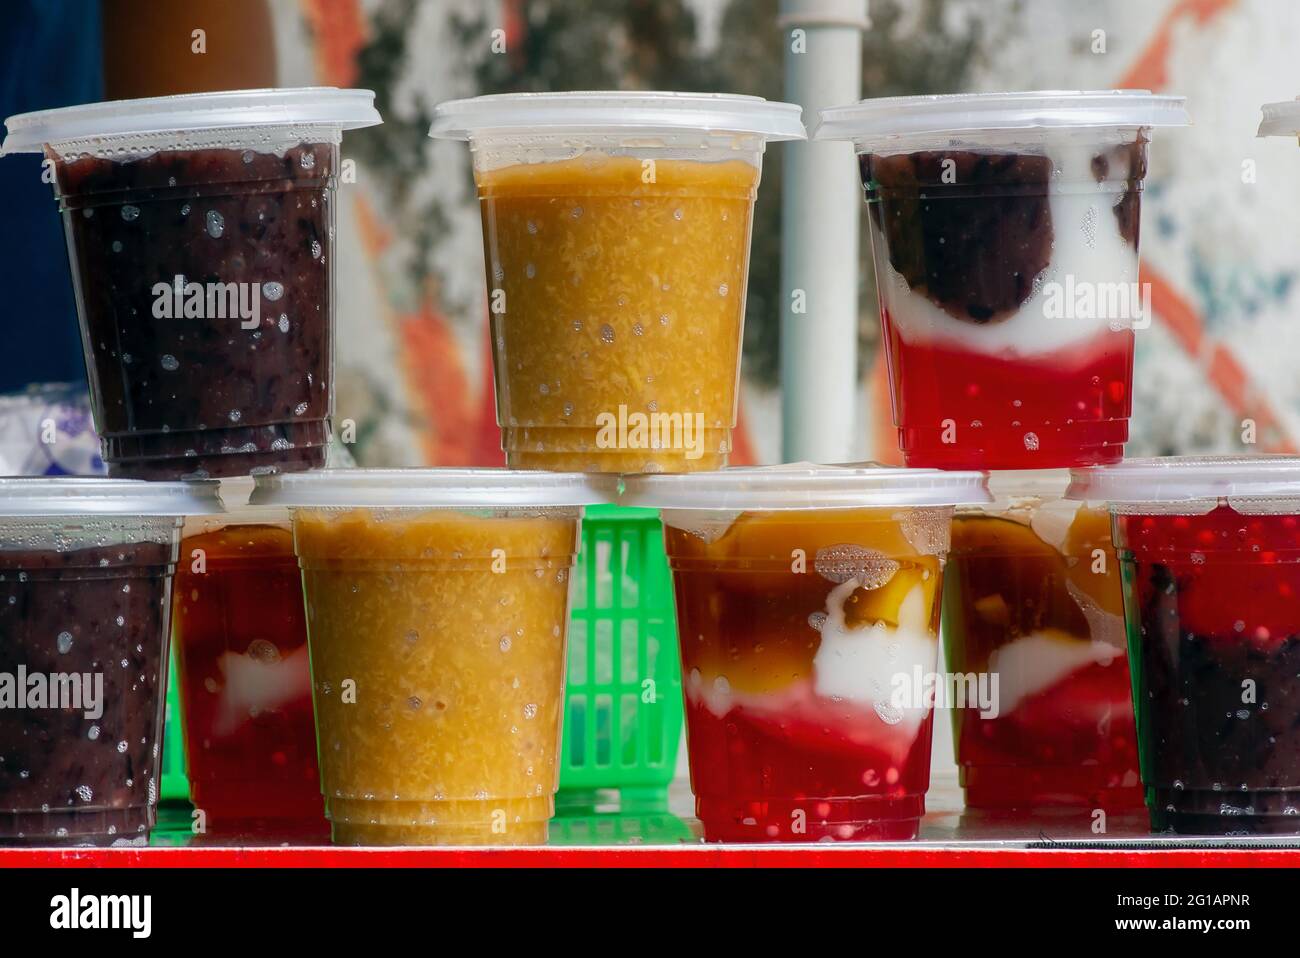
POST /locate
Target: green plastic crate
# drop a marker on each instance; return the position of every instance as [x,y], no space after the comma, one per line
[622,633]
[175,787]
[623,709]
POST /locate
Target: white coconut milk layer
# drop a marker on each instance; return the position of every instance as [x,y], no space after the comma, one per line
[1088,252]
[1036,662]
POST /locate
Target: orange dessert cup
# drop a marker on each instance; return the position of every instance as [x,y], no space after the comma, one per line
[437,602]
[609,294]
[616,231]
[458,671]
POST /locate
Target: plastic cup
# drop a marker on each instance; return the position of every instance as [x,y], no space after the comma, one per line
[1032,600]
[1004,233]
[85,592]
[201,237]
[437,602]
[245,683]
[808,614]
[1210,557]
[616,232]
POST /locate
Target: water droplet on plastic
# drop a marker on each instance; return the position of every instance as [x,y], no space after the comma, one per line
[840,563]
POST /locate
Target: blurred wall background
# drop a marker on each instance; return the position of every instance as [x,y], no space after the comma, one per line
[414,370]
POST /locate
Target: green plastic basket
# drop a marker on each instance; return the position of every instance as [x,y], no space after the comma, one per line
[175,787]
[623,709]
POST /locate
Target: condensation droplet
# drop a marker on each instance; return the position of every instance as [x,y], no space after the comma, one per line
[840,563]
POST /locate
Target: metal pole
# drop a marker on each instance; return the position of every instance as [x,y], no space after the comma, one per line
[820,204]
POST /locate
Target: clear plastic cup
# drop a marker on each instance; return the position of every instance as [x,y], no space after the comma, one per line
[437,603]
[1004,233]
[1210,558]
[240,636]
[85,593]
[808,614]
[1032,597]
[201,237]
[616,231]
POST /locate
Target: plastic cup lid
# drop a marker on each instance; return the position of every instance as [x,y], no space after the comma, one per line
[309,106]
[1044,109]
[1280,119]
[432,489]
[1029,483]
[806,486]
[235,494]
[84,496]
[610,112]
[1188,478]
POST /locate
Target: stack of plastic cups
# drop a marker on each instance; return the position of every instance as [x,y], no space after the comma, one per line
[202,244]
[1004,232]
[616,238]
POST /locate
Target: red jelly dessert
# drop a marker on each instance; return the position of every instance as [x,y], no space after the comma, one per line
[1004,233]
[807,634]
[1081,396]
[1032,598]
[241,643]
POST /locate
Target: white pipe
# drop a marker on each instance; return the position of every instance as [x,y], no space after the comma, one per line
[820,204]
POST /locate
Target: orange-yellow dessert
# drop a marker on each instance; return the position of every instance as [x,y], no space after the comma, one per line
[437,653]
[617,290]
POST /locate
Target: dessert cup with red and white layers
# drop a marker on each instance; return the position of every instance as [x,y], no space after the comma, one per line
[1004,232]
[808,610]
[1032,604]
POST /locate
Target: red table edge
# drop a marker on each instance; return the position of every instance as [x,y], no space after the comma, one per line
[688,856]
